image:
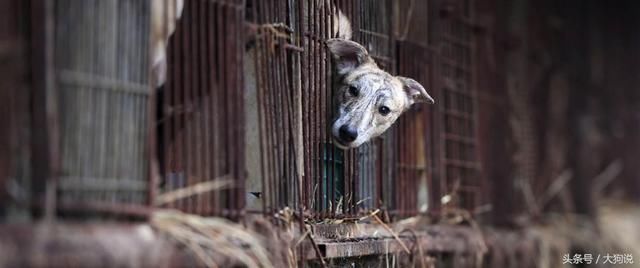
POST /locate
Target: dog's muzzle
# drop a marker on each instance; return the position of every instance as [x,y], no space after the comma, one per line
[345,136]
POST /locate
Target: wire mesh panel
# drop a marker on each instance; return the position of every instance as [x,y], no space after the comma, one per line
[201,109]
[458,148]
[14,105]
[101,55]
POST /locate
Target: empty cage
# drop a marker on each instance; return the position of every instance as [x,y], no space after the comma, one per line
[458,161]
[414,136]
[415,130]
[200,110]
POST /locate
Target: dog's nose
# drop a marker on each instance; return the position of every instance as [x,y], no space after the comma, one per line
[348,134]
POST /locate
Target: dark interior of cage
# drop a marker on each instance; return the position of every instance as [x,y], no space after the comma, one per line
[199,108]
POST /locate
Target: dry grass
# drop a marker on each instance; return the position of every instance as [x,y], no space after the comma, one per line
[213,240]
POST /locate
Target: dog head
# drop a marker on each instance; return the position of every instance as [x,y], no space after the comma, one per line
[369,99]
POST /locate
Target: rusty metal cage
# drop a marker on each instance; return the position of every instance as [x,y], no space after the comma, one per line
[301,167]
[102,95]
[102,92]
[200,125]
[414,138]
[458,165]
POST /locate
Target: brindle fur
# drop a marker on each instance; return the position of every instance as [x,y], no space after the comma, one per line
[376,88]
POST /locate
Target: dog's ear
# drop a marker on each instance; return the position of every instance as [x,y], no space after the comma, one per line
[415,91]
[347,55]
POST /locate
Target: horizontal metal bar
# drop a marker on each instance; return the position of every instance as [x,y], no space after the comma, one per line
[73,78]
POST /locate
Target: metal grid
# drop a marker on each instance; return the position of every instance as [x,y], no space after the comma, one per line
[201,118]
[14,106]
[102,95]
[458,143]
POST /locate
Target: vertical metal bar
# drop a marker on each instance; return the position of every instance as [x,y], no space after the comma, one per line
[317,186]
[306,193]
[219,103]
[181,172]
[203,93]
[231,90]
[273,128]
[262,122]
[229,87]
[263,117]
[239,47]
[213,88]
[275,67]
[194,107]
[153,171]
[170,115]
[202,140]
[300,144]
[325,90]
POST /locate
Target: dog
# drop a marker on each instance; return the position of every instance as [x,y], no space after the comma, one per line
[369,99]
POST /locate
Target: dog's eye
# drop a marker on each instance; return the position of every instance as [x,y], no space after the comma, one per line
[353,91]
[384,110]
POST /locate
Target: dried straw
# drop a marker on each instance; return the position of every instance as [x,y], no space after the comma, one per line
[192,190]
[208,238]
